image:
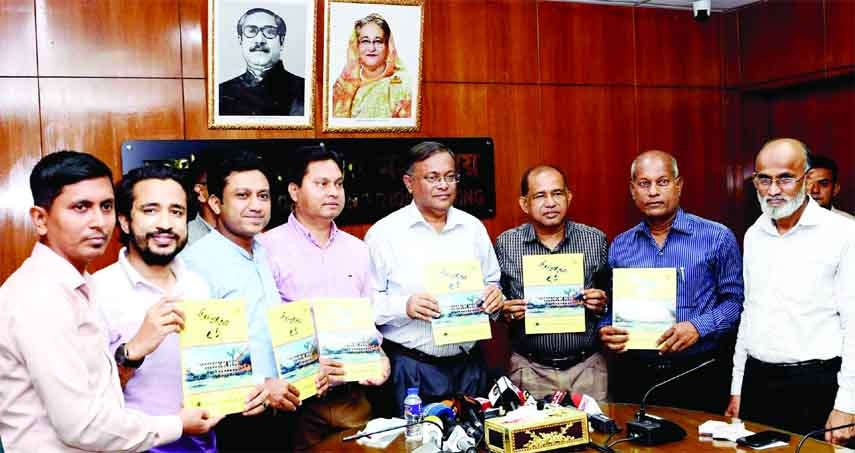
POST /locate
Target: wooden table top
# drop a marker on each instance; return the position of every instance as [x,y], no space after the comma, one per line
[687,419]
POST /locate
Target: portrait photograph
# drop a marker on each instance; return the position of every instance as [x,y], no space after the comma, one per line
[373,65]
[261,64]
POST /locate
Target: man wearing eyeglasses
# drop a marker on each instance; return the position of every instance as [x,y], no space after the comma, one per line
[266,88]
[793,365]
[566,361]
[705,257]
[823,184]
[401,245]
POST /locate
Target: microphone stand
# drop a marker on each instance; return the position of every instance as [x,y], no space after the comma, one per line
[360,436]
[820,431]
[640,414]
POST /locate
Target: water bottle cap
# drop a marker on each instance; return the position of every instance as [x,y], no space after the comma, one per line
[412,391]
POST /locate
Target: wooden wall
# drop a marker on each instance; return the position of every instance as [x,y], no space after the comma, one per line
[578,85]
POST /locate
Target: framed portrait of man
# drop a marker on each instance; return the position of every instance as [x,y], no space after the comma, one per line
[261,64]
[373,65]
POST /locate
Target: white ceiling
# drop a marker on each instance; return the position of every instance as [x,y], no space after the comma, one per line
[717,5]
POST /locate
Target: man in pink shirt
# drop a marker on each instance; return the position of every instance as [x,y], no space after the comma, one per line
[312,258]
[59,388]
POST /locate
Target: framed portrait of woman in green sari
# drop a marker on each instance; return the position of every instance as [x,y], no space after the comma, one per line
[373,65]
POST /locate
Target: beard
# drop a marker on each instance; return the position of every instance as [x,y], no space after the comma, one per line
[785,210]
[150,257]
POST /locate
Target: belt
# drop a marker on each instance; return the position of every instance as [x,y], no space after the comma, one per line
[559,363]
[814,363]
[394,348]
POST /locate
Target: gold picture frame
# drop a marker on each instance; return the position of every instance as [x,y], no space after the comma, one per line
[256,81]
[372,79]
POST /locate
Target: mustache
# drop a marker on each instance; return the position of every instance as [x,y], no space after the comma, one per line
[160,233]
[260,47]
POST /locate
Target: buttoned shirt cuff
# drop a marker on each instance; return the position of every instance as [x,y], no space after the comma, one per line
[845,400]
[167,427]
[704,324]
[736,383]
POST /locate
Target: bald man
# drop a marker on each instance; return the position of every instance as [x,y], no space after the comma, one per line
[793,365]
[705,258]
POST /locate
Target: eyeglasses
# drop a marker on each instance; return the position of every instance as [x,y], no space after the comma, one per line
[661,183]
[268,31]
[784,182]
[434,179]
[365,42]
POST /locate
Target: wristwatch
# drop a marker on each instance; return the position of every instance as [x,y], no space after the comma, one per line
[122,358]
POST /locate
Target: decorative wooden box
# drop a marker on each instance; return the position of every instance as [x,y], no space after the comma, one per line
[563,427]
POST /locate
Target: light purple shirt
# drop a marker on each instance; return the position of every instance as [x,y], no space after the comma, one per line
[303,269]
[124,296]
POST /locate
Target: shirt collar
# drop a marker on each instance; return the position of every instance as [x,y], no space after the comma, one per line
[682,224]
[414,217]
[177,267]
[530,235]
[810,216]
[59,268]
[301,229]
[204,223]
[229,245]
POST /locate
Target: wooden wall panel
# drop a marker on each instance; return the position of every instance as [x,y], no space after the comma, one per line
[840,40]
[590,132]
[20,149]
[781,39]
[688,124]
[674,50]
[191,14]
[108,38]
[18,35]
[731,55]
[582,43]
[481,41]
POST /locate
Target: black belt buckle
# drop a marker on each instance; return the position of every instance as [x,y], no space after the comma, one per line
[559,363]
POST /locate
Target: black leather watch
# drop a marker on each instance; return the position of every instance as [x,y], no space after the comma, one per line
[122,358]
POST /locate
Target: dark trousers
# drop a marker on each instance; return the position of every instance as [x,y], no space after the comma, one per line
[268,431]
[633,373]
[796,398]
[437,378]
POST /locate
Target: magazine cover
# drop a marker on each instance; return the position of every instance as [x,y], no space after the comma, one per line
[295,346]
[553,287]
[346,333]
[644,303]
[457,286]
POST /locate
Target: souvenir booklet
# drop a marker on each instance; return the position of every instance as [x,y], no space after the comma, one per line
[644,303]
[553,287]
[215,361]
[292,331]
[346,333]
[458,287]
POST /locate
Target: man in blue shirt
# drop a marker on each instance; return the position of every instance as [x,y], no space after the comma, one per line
[706,258]
[235,265]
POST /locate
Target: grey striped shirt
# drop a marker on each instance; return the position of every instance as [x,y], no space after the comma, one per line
[517,242]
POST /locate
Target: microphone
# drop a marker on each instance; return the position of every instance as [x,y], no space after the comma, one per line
[652,430]
[820,431]
[505,393]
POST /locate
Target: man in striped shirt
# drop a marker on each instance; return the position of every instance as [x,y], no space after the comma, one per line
[542,363]
[706,258]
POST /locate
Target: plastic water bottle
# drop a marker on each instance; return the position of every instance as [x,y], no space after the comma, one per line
[412,414]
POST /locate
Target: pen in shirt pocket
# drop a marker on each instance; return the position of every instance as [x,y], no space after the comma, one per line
[683,273]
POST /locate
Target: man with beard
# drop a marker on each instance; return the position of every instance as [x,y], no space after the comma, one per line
[704,255]
[138,297]
[266,88]
[793,365]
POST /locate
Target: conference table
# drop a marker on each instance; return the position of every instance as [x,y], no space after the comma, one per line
[687,419]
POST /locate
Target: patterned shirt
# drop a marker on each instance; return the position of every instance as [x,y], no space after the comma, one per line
[709,267]
[517,242]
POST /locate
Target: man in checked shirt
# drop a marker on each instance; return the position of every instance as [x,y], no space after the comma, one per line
[543,363]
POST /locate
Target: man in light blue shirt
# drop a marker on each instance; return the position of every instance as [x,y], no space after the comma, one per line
[236,266]
[401,244]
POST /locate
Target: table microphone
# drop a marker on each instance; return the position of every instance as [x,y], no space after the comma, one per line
[652,430]
[820,431]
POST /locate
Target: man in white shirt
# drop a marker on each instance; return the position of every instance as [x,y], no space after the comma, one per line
[205,218]
[823,185]
[138,296]
[793,366]
[401,244]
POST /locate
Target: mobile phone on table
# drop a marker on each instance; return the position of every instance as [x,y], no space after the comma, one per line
[763,438]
